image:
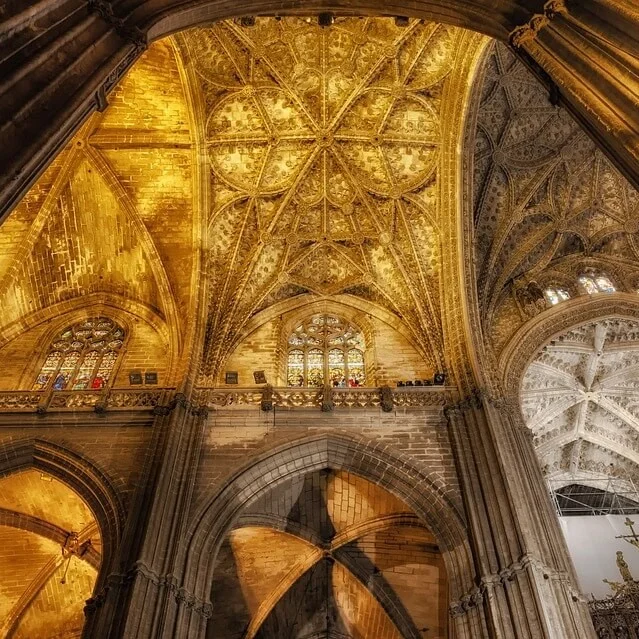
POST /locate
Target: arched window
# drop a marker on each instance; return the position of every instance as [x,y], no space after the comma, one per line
[325,349]
[82,356]
[596,283]
[556,295]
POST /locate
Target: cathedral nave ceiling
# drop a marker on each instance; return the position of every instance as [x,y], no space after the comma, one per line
[313,155]
[323,147]
[546,202]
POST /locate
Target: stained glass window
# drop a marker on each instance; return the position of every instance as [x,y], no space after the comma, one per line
[556,295]
[82,356]
[596,283]
[325,349]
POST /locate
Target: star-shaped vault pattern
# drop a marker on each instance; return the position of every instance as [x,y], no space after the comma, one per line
[580,397]
[323,149]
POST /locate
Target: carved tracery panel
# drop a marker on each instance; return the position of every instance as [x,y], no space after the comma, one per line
[547,205]
[323,147]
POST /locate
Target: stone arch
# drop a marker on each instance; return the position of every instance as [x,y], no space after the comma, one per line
[88,481]
[421,491]
[534,334]
[496,22]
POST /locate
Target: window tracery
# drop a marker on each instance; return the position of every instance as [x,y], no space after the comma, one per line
[554,295]
[82,356]
[325,349]
[596,283]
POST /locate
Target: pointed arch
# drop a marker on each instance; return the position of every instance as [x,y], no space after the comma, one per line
[541,329]
[82,476]
[420,490]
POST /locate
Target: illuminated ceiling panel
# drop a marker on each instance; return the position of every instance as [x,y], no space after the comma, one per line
[323,148]
[44,589]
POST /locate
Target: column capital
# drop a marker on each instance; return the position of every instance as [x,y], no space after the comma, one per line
[529,31]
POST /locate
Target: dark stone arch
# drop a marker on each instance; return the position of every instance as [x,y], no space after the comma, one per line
[371,460]
[79,474]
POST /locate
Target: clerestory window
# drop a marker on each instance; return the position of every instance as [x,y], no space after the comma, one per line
[324,349]
[596,283]
[556,295]
[82,356]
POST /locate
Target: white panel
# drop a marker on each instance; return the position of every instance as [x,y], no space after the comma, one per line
[593,548]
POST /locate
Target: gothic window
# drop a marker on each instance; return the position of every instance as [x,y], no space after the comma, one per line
[325,349]
[596,283]
[82,356]
[556,295]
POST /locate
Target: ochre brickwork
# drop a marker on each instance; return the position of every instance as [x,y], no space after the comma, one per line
[43,591]
[234,436]
[389,355]
[146,349]
[325,553]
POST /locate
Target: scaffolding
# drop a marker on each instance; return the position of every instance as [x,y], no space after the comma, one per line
[594,495]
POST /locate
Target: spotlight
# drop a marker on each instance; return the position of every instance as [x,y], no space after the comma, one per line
[247,21]
[401,21]
[259,377]
[400,384]
[418,382]
[439,379]
[231,377]
[409,383]
[325,19]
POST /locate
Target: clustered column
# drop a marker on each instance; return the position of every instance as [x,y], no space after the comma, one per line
[525,580]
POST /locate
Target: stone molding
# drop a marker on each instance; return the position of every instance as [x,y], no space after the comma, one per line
[529,31]
[131,34]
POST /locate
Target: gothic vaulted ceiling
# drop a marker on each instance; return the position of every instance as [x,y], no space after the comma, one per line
[323,148]
[111,221]
[545,202]
[329,555]
[580,397]
[43,591]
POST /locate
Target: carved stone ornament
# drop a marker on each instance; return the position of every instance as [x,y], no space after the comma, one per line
[386,395]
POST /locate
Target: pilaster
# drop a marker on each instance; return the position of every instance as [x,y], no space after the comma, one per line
[143,597]
[526,584]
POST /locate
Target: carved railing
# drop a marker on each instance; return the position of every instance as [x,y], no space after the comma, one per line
[264,397]
[77,400]
[327,398]
[616,616]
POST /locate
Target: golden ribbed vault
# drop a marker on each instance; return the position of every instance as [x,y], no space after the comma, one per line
[323,147]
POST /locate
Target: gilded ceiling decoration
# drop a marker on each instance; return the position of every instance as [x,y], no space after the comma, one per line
[580,397]
[329,555]
[545,201]
[323,148]
[44,588]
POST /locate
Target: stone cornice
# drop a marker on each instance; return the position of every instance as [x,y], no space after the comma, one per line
[105,10]
[180,400]
[168,582]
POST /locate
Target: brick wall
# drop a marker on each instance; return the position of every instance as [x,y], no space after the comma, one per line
[232,437]
[21,358]
[389,355]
